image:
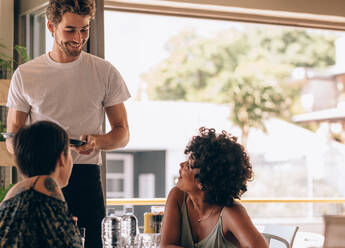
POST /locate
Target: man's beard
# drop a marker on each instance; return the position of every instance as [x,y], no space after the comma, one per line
[70,53]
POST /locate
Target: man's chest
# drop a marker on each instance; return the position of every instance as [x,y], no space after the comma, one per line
[65,89]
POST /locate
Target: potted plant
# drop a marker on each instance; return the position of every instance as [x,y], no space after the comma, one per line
[7,64]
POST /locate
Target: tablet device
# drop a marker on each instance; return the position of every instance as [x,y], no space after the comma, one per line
[75,142]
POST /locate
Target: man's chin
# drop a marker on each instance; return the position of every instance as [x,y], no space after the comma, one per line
[74,53]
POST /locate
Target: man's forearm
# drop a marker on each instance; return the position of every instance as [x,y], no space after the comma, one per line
[116,138]
[15,120]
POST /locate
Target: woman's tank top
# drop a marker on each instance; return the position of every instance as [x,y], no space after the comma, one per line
[214,239]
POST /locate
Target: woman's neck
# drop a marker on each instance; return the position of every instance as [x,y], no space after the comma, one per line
[197,202]
[50,186]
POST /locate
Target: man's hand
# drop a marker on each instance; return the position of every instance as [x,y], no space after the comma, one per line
[89,147]
[117,137]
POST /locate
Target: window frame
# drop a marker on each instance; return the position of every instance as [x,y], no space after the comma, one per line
[276,12]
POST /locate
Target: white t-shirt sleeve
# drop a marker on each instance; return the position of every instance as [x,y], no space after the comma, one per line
[116,89]
[16,98]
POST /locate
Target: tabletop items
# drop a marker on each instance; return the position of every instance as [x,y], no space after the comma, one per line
[122,231]
[153,219]
[111,231]
[82,235]
[129,228]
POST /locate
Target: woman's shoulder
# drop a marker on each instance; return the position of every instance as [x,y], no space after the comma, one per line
[235,217]
[234,213]
[176,195]
[42,184]
[236,209]
[19,187]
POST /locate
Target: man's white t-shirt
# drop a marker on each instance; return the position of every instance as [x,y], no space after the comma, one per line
[72,95]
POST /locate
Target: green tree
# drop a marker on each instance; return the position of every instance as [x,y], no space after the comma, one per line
[249,69]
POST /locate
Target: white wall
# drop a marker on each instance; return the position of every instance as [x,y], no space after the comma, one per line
[6,25]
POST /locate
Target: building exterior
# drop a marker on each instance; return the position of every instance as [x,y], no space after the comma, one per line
[148,166]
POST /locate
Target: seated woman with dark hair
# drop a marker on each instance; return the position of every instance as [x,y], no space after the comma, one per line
[201,211]
[34,212]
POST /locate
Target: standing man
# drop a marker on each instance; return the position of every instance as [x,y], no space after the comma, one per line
[74,89]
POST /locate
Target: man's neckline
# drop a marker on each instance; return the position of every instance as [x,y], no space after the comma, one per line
[67,64]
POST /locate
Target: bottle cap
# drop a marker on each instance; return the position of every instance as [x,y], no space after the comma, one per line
[129,210]
[157,209]
[111,211]
[118,212]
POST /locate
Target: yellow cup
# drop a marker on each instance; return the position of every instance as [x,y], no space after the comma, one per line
[148,223]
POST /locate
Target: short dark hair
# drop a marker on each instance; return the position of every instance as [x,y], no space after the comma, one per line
[224,166]
[37,147]
[57,8]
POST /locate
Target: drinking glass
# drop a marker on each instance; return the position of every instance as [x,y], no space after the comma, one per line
[149,240]
[82,235]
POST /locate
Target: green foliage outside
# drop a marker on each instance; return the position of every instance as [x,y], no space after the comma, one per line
[3,192]
[249,69]
[7,63]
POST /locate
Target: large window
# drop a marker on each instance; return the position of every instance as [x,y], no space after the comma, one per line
[184,73]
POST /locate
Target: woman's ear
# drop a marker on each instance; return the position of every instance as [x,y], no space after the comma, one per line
[62,160]
[199,185]
[196,178]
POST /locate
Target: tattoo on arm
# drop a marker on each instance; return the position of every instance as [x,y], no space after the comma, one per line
[52,187]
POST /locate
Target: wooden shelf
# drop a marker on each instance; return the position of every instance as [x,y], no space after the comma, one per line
[4,87]
[6,159]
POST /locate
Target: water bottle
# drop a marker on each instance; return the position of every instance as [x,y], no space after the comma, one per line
[111,231]
[130,229]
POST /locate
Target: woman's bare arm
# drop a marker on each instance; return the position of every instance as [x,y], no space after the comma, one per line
[171,220]
[237,221]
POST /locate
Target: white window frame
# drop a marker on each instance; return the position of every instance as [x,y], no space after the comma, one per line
[127,175]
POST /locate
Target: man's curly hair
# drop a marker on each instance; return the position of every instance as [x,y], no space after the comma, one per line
[224,166]
[57,8]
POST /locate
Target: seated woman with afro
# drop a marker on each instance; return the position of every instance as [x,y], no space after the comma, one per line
[201,211]
[34,213]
